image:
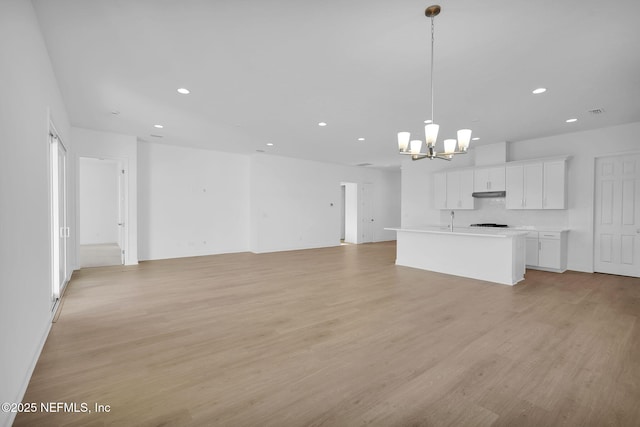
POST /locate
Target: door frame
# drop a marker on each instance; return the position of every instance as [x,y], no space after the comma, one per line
[123,201]
[59,227]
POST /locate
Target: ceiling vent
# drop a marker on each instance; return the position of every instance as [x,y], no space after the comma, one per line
[597,111]
[364,164]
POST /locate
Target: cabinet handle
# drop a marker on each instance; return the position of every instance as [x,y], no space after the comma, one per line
[539,245]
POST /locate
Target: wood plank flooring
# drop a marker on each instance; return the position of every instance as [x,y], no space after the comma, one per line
[339,337]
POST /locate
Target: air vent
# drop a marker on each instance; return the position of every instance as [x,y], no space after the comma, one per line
[364,164]
[597,111]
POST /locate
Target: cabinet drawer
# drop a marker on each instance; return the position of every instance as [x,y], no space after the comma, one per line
[550,235]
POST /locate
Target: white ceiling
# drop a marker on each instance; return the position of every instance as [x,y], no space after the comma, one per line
[268,71]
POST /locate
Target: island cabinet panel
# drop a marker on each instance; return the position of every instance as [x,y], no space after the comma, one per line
[459,190]
[489,179]
[490,255]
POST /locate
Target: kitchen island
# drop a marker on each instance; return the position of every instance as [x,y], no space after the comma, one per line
[494,255]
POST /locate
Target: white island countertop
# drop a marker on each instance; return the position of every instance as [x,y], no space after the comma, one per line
[464,231]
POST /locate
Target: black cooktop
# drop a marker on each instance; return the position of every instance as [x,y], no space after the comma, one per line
[489,224]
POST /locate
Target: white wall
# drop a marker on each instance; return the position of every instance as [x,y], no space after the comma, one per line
[192,202]
[295,203]
[29,93]
[122,149]
[98,201]
[584,147]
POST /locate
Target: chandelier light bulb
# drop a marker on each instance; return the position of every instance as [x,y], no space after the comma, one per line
[403,141]
[431,133]
[449,146]
[464,137]
[416,146]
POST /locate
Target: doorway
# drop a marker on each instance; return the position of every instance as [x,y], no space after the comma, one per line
[350,212]
[357,213]
[617,215]
[102,205]
[59,226]
[366,205]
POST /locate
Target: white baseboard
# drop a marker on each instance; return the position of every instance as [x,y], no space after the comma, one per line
[11,416]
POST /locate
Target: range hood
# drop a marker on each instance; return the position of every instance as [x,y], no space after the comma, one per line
[488,194]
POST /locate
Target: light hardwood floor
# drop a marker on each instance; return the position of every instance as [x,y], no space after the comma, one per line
[339,337]
[100,255]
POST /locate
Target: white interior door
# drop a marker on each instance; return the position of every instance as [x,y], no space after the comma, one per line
[59,228]
[617,215]
[366,201]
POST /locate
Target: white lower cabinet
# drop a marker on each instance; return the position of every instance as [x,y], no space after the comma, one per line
[547,250]
[532,248]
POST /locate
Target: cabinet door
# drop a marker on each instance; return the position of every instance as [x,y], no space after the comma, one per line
[440,190]
[533,186]
[549,253]
[515,187]
[459,189]
[481,180]
[554,194]
[497,179]
[466,189]
[532,251]
[453,190]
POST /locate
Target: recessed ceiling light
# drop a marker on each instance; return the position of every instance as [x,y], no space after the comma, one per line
[322,124]
[183,91]
[539,90]
[475,139]
[269,144]
[158,126]
[571,120]
[360,139]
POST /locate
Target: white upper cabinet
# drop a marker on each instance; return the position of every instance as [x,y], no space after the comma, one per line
[459,190]
[539,185]
[489,179]
[524,186]
[554,186]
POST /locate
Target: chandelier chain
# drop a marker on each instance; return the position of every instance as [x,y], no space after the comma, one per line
[432,39]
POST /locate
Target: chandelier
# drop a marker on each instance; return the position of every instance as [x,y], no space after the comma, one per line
[414,147]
